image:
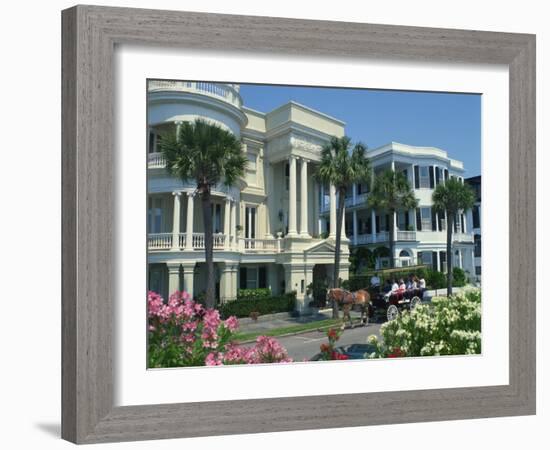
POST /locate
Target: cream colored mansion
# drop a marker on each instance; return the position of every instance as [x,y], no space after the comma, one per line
[276,228]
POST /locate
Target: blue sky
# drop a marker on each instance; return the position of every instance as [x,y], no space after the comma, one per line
[451,122]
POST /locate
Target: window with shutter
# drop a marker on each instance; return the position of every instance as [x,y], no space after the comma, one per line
[418,220]
[416,178]
[434,260]
[437,175]
[262,278]
[431,177]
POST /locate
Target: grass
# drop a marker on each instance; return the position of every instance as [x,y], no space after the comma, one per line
[321,324]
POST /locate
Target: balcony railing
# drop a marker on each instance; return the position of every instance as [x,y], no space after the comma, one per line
[163,242]
[463,237]
[156,161]
[226,92]
[406,235]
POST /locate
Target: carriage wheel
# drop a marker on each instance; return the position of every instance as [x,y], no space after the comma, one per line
[392,313]
[415,301]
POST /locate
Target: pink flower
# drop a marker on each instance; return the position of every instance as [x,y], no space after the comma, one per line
[231,323]
[213,359]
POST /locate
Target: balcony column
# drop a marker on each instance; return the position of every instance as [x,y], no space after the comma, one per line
[464,217]
[460,258]
[292,231]
[394,218]
[373,225]
[354,193]
[437,221]
[354,227]
[227,223]
[190,216]
[176,221]
[412,180]
[173,278]
[332,233]
[233,229]
[304,233]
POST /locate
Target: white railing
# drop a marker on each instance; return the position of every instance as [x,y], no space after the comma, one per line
[226,92]
[383,236]
[182,240]
[463,237]
[364,239]
[250,245]
[406,235]
[159,241]
[156,161]
[163,241]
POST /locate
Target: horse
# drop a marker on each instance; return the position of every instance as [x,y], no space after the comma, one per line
[348,300]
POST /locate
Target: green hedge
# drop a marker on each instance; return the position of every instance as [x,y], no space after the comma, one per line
[253,294]
[263,305]
[459,277]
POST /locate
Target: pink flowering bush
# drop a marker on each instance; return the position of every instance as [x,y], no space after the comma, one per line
[184,333]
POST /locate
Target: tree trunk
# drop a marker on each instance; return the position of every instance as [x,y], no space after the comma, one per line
[391,241]
[339,217]
[210,299]
[450,224]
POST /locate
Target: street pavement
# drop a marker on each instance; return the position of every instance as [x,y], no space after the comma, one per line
[304,346]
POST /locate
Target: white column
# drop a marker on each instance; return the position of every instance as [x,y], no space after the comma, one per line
[227,222]
[373,225]
[233,229]
[465,220]
[322,199]
[173,278]
[344,237]
[393,166]
[292,197]
[438,259]
[270,209]
[188,278]
[303,199]
[332,233]
[354,227]
[460,258]
[437,222]
[394,226]
[176,221]
[354,193]
[412,176]
[190,216]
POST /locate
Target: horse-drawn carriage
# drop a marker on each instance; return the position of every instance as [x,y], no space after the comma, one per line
[393,302]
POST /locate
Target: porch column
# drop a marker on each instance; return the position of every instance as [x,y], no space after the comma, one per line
[173,278]
[269,233]
[373,225]
[460,258]
[304,233]
[227,223]
[464,219]
[394,226]
[438,261]
[188,277]
[332,212]
[292,231]
[354,193]
[412,176]
[176,221]
[354,227]
[437,221]
[322,199]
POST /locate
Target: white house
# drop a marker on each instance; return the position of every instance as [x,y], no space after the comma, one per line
[276,227]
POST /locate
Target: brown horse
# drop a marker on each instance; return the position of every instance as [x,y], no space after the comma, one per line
[348,300]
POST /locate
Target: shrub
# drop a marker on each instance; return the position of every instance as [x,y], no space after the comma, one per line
[459,277]
[184,333]
[435,279]
[253,294]
[328,351]
[449,326]
[263,305]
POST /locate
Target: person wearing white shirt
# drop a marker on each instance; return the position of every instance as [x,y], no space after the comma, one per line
[375,280]
[422,283]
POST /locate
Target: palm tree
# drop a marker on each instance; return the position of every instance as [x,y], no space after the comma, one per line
[207,154]
[450,198]
[391,192]
[341,166]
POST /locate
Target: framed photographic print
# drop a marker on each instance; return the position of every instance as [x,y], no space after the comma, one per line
[245,201]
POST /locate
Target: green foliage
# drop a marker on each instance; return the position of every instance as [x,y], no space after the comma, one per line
[204,152]
[261,305]
[391,192]
[459,277]
[318,290]
[361,258]
[435,279]
[253,294]
[447,326]
[453,196]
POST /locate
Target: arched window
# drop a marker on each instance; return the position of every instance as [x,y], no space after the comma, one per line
[404,254]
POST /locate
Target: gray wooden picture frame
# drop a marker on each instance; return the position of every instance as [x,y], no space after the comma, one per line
[90,34]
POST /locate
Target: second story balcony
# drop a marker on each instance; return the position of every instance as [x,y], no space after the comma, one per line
[226,92]
[159,242]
